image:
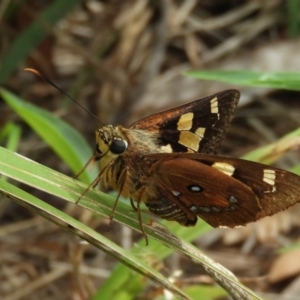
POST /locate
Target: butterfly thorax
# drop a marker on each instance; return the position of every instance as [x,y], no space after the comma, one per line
[122,150]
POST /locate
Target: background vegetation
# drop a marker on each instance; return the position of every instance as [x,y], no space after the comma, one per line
[123,61]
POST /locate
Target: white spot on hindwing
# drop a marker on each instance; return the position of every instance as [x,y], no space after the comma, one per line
[232,199]
[224,168]
[194,209]
[269,177]
[195,188]
[205,209]
[217,209]
[176,193]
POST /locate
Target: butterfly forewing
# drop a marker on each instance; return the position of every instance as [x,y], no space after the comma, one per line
[222,191]
[199,126]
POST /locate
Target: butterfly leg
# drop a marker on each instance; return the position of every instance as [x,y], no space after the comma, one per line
[138,208]
[94,183]
[92,159]
[122,180]
[133,205]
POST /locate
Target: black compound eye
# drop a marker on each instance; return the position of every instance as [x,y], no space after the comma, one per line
[118,146]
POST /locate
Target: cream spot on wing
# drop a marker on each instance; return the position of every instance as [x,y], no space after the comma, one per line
[186,121]
[232,199]
[214,108]
[272,191]
[176,193]
[189,140]
[269,176]
[167,148]
[194,209]
[224,168]
[200,131]
[195,188]
[205,209]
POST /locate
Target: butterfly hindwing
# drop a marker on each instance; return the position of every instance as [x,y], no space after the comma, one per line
[277,189]
[222,191]
[199,126]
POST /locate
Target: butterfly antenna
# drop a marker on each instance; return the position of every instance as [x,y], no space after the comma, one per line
[54,85]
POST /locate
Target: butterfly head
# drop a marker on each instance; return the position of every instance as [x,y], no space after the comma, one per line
[109,144]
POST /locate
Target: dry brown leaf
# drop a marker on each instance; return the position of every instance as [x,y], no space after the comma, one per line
[292,291]
[285,266]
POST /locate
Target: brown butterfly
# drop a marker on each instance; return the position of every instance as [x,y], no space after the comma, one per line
[168,161]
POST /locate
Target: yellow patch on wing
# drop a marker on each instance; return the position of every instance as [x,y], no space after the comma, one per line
[200,131]
[189,140]
[214,107]
[186,121]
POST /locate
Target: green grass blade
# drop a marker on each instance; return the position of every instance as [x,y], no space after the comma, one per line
[60,136]
[279,80]
[121,275]
[12,134]
[56,216]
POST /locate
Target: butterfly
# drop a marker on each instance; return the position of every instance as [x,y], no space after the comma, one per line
[169,161]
